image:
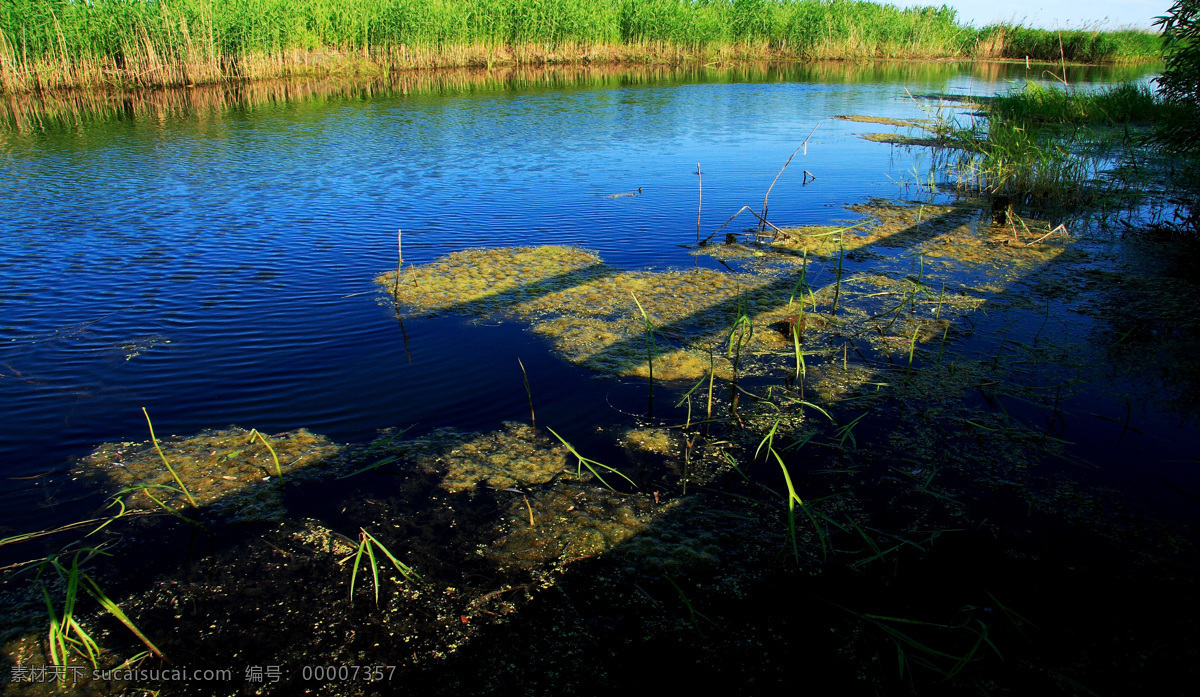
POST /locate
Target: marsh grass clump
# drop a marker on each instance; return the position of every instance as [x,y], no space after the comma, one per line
[1054,149]
[368,543]
[1126,103]
[66,636]
[228,472]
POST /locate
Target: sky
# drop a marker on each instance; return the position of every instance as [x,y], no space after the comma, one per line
[1049,14]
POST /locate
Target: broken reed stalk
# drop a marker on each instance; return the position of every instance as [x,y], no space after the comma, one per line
[399,265]
[528,393]
[699,202]
[530,509]
[727,222]
[762,220]
[1060,228]
[170,469]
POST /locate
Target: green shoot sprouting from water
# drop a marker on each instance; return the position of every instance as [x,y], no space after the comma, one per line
[66,634]
[585,462]
[528,393]
[367,544]
[801,369]
[912,347]
[254,433]
[793,498]
[743,327]
[168,464]
[846,432]
[801,286]
[651,346]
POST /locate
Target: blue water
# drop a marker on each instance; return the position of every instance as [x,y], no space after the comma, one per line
[216,266]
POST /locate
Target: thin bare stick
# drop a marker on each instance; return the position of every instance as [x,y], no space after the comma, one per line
[727,222]
[399,264]
[700,202]
[763,217]
[1061,228]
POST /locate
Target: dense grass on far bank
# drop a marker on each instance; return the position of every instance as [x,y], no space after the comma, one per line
[159,42]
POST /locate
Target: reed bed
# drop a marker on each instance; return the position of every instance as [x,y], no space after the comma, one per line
[130,43]
[1086,45]
[1031,149]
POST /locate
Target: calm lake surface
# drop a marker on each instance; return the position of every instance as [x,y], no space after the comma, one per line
[210,255]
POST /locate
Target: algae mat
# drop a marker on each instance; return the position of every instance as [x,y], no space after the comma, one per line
[684,324]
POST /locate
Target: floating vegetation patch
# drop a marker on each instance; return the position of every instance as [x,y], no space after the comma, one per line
[587,310]
[231,472]
[885,121]
[897,139]
[485,281]
[513,457]
[568,522]
[658,441]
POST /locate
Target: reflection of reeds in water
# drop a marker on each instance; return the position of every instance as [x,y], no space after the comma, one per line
[72,108]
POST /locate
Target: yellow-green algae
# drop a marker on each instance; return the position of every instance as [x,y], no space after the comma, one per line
[570,521]
[962,231]
[517,455]
[886,121]
[584,307]
[229,471]
[587,309]
[483,281]
[659,441]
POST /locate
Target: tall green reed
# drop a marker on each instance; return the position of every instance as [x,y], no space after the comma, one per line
[45,44]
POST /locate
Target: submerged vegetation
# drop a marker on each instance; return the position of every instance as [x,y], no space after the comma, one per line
[907,478]
[182,42]
[867,459]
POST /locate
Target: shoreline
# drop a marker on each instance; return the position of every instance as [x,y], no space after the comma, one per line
[104,75]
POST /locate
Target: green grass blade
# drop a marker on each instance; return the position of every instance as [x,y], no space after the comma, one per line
[168,464]
[94,590]
[404,569]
